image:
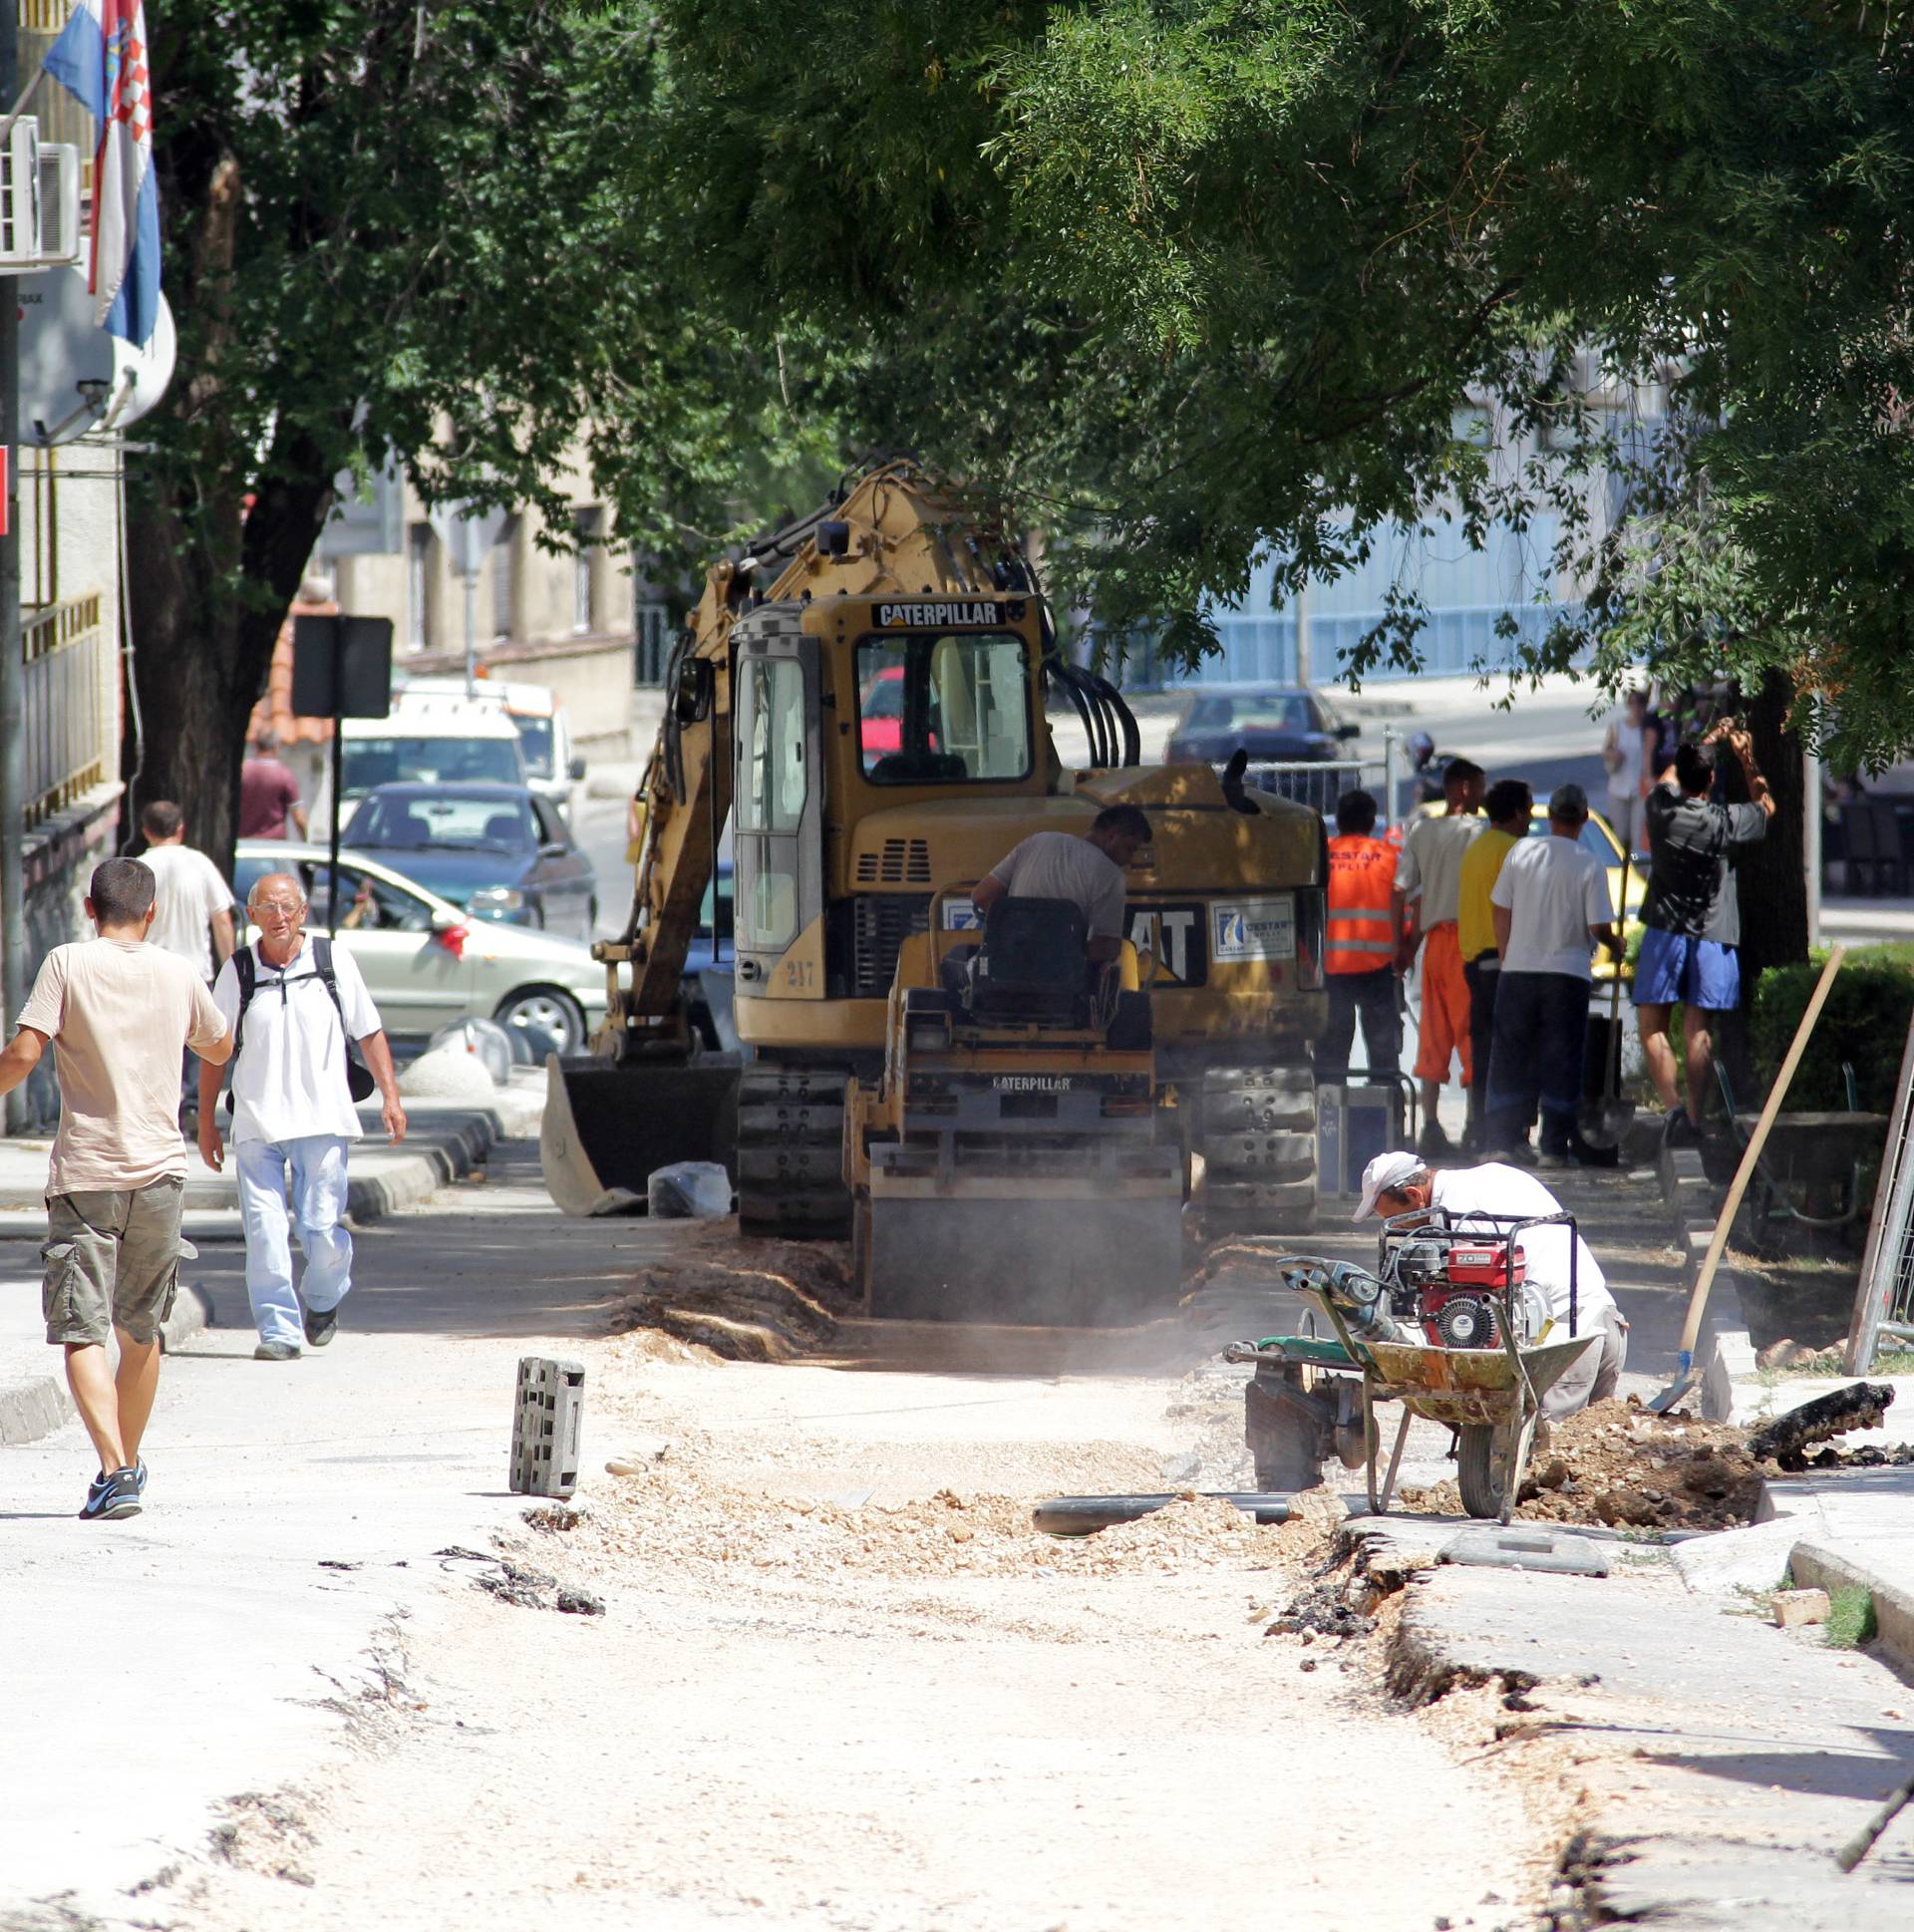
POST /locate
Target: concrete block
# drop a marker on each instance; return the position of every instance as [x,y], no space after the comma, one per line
[1793,1608]
[1755,1558]
[1827,1569]
[547,1425]
[1729,1360]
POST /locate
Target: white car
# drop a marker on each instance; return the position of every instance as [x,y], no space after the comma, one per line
[425,962]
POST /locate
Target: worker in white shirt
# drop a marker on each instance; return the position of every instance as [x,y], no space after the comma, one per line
[1400,1184]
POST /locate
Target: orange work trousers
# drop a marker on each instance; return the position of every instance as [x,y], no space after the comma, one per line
[1444,1026]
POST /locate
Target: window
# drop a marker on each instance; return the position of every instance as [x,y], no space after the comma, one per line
[770,798]
[505,578]
[651,630]
[389,761]
[449,819]
[552,828]
[943,710]
[586,527]
[535,741]
[419,586]
[1592,838]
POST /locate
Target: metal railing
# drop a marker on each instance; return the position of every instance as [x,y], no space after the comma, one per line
[67,698]
[1321,782]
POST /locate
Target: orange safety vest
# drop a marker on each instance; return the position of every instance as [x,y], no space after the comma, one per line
[1362,877]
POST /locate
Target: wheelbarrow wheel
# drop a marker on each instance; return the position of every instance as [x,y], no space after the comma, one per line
[1480,1469]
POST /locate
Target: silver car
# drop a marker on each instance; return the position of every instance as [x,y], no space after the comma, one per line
[425,962]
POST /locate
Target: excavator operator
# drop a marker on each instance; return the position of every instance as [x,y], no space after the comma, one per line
[1088,871]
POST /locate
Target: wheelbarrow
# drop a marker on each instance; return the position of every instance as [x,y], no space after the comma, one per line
[1302,1400]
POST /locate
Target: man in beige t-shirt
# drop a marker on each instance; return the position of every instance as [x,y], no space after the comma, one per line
[120,1013]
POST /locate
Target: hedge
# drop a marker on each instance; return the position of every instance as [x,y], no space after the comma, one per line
[1865,1023]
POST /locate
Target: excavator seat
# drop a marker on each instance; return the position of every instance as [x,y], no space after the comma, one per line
[1033,964]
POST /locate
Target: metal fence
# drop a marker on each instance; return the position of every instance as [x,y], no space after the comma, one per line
[68,694]
[1884,1295]
[1320,783]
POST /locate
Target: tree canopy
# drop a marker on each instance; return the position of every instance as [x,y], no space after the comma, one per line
[1185,282]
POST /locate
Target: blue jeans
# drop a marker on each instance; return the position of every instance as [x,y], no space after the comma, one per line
[318,1206]
[1541,1034]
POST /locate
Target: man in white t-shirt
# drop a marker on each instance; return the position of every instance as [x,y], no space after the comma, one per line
[1088,871]
[1629,752]
[1549,904]
[1401,1184]
[192,915]
[293,1111]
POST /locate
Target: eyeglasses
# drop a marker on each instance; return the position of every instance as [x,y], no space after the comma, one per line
[277,909]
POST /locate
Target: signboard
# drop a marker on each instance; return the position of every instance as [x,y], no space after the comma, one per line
[1172,935]
[1249,929]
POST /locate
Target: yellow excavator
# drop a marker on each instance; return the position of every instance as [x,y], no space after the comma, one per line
[864,699]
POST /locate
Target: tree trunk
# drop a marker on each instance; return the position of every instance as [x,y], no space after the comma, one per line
[204,622]
[1771,877]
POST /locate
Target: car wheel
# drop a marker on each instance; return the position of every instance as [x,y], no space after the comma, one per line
[551,1011]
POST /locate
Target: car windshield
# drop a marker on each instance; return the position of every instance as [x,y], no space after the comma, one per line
[961,706]
[1592,839]
[409,821]
[372,762]
[534,740]
[1261,711]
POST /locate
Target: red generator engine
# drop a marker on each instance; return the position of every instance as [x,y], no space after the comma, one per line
[1455,1286]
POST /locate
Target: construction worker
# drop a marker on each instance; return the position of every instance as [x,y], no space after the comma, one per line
[1507,805]
[1427,886]
[1359,951]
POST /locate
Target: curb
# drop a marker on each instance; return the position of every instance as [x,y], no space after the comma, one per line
[41,1404]
[1817,1566]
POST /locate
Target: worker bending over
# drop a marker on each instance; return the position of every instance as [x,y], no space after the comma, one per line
[1088,871]
[1401,1184]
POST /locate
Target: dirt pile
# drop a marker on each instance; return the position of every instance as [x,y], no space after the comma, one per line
[1618,1464]
[748,1301]
[670,1517]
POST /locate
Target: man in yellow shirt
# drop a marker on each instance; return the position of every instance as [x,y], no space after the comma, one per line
[1507,805]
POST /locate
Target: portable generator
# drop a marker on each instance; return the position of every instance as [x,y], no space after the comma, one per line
[1455,1283]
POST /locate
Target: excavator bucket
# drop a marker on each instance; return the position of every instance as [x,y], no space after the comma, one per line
[607,1128]
[1098,1260]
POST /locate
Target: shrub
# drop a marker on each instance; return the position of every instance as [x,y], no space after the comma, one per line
[1865,1023]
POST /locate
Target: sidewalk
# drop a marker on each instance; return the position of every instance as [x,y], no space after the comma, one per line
[442,1144]
[213,1644]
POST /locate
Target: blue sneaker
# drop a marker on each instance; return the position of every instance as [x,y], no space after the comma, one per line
[139,1474]
[111,1494]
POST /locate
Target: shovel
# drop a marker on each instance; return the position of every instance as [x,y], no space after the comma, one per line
[1613,1116]
[1751,1159]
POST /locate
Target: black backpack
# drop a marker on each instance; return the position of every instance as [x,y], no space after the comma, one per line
[359,1081]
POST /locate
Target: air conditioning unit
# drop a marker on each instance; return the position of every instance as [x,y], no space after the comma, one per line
[39,201]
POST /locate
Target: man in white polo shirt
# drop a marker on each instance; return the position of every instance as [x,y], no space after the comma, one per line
[293,1110]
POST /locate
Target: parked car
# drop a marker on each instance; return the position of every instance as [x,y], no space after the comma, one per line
[499,850]
[1276,724]
[428,962]
[428,741]
[553,769]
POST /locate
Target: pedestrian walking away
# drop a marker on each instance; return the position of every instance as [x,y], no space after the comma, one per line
[1427,888]
[120,1012]
[1550,903]
[1629,752]
[1508,805]
[1362,976]
[192,912]
[293,1002]
[1400,1184]
[1692,919]
[268,794]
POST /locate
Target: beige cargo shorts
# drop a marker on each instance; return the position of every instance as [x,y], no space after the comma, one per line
[112,1261]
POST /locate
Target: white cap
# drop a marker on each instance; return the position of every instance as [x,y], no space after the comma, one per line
[1386,1171]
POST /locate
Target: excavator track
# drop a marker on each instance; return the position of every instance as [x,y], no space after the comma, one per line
[790,1153]
[1259,1148]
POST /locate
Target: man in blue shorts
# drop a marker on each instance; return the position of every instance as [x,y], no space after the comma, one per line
[1692,917]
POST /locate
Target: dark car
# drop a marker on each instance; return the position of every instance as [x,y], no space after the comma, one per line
[499,851]
[1276,724]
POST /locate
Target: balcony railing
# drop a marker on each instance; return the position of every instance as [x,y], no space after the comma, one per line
[70,667]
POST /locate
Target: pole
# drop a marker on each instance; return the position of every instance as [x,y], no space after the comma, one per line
[471,633]
[13,734]
[1811,840]
[1302,635]
[1389,777]
[338,769]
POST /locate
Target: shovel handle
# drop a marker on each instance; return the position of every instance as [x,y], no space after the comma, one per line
[1718,1242]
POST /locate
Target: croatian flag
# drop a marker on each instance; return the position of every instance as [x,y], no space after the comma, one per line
[101,60]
